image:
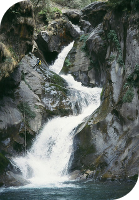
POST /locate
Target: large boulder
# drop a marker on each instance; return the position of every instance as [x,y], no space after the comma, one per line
[73,16]
[59,34]
[12,179]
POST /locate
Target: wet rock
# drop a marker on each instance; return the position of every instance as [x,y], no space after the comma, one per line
[60,33]
[12,179]
[74,175]
[85,26]
[77,63]
[113,127]
[85,60]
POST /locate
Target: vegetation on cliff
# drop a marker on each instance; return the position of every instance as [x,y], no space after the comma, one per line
[124,4]
[107,56]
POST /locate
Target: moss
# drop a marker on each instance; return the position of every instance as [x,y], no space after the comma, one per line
[3,163]
[56,79]
[129,95]
[83,39]
[67,62]
[25,109]
[58,111]
[102,94]
[106,175]
[112,36]
[101,113]
[84,151]
[60,88]
[23,78]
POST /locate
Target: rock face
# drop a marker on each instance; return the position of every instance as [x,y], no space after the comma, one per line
[38,95]
[108,143]
[85,61]
[94,13]
[59,34]
[16,36]
[105,55]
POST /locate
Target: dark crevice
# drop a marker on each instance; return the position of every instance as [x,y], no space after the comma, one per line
[125,36]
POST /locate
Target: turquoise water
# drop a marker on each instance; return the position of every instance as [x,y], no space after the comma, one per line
[69,191]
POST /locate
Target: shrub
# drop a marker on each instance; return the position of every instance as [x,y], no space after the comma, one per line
[129,95]
[83,39]
[67,62]
[114,38]
[124,4]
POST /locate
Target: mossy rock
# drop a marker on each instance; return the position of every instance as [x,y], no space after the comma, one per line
[60,88]
[58,80]
[3,163]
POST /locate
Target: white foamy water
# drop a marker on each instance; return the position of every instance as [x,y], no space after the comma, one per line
[47,160]
[57,66]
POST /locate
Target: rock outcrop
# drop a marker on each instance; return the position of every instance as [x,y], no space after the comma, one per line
[16,35]
[29,94]
[105,55]
[59,34]
[108,143]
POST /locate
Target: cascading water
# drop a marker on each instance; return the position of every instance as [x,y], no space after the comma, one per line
[47,161]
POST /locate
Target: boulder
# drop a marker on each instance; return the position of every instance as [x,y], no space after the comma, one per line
[60,33]
[85,26]
[12,179]
[73,16]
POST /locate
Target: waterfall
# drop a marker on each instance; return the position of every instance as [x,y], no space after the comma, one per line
[47,160]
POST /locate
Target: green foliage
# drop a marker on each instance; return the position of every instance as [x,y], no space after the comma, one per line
[120,60]
[56,79]
[55,9]
[67,62]
[129,95]
[124,4]
[131,82]
[26,111]
[131,78]
[112,57]
[112,36]
[3,163]
[43,12]
[13,53]
[83,38]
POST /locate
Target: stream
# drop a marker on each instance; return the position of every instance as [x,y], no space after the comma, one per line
[45,165]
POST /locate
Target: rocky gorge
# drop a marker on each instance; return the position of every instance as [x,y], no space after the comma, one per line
[105,54]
